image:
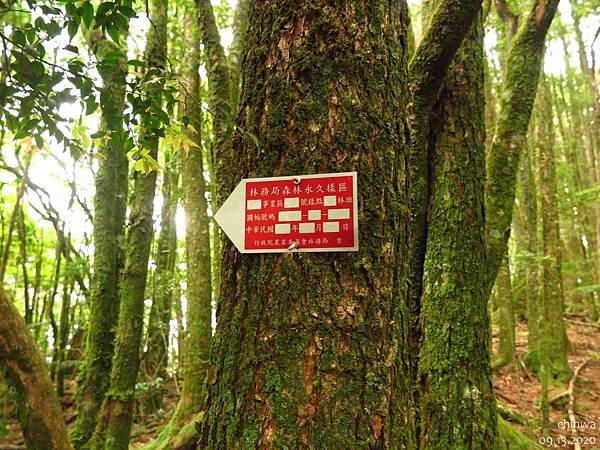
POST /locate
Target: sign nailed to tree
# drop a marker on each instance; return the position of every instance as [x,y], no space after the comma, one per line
[304,213]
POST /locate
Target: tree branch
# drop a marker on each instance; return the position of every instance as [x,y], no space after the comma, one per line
[523,67]
[447,28]
[448,25]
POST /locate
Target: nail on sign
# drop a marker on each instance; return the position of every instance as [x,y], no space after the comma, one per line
[304,213]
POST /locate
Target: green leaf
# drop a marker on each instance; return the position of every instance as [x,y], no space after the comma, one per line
[98,134]
[87,13]
[120,22]
[72,29]
[113,32]
[127,11]
[19,38]
[103,9]
[71,9]
[49,10]
[52,28]
[136,63]
[21,134]
[72,49]
[90,106]
[141,166]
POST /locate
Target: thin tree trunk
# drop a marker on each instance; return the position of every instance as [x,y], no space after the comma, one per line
[506,342]
[197,337]
[457,405]
[156,356]
[115,418]
[22,232]
[529,246]
[60,239]
[523,67]
[64,328]
[552,326]
[12,223]
[110,201]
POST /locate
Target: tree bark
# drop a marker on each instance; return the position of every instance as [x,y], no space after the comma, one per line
[552,325]
[523,68]
[179,432]
[115,418]
[110,201]
[156,355]
[38,409]
[506,340]
[303,354]
[457,407]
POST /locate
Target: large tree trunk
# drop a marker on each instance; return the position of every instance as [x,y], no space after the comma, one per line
[318,350]
[303,353]
[116,415]
[38,409]
[110,201]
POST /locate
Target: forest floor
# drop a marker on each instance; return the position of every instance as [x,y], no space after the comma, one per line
[517,391]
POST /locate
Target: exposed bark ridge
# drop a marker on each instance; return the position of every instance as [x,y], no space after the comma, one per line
[38,409]
[523,68]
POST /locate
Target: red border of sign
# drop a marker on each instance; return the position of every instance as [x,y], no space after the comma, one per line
[310,250]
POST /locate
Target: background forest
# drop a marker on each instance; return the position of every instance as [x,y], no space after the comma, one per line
[124,125]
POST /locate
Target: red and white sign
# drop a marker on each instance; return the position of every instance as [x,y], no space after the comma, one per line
[304,213]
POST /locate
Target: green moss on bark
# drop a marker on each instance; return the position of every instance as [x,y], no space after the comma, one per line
[303,354]
[110,200]
[38,409]
[457,406]
[553,338]
[114,421]
[524,63]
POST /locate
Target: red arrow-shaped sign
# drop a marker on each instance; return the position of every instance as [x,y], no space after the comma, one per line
[304,213]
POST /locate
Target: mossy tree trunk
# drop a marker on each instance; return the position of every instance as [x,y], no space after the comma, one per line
[506,339]
[300,350]
[156,355]
[240,27]
[110,200]
[220,106]
[523,66]
[552,325]
[38,409]
[179,432]
[116,415]
[457,406]
[594,158]
[528,244]
[198,250]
